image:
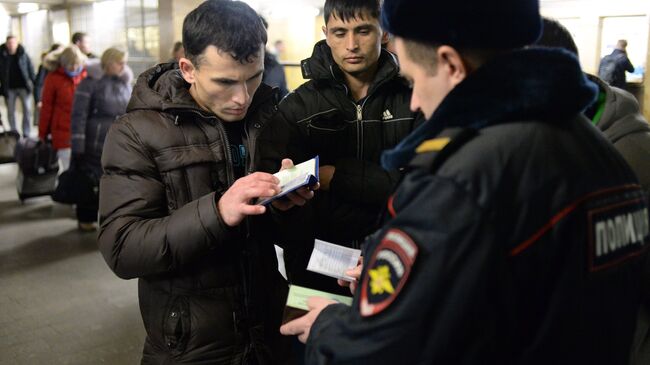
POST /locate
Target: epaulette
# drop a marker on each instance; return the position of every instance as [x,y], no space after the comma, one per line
[431,153]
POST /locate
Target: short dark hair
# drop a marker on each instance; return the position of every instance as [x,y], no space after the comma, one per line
[10,36]
[555,35]
[351,9]
[78,37]
[231,26]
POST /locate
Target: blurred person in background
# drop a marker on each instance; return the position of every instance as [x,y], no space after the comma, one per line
[17,81]
[613,66]
[99,99]
[82,41]
[178,52]
[66,70]
[273,70]
[40,79]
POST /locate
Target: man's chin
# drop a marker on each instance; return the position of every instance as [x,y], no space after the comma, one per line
[230,117]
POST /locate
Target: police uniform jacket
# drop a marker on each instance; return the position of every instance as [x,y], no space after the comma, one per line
[209,293]
[515,238]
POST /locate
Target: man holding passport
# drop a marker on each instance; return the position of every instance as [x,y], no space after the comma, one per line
[176,199]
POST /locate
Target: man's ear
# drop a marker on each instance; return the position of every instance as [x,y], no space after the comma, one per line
[324,28]
[187,69]
[385,37]
[451,62]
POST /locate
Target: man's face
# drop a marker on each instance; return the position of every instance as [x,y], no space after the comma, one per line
[84,45]
[355,44]
[430,87]
[12,45]
[222,84]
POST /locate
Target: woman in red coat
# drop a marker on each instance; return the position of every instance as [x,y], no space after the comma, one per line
[66,72]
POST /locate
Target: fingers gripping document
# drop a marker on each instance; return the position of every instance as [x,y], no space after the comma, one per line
[333,260]
[327,259]
[297,301]
[303,174]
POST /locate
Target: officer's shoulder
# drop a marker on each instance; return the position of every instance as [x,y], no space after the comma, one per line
[432,152]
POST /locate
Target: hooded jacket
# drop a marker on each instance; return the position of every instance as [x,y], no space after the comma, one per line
[56,111]
[502,242]
[624,125]
[24,64]
[209,293]
[99,100]
[322,119]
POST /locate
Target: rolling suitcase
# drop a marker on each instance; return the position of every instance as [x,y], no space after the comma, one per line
[37,168]
[8,140]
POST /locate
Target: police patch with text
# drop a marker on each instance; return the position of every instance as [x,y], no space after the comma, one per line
[617,232]
[388,270]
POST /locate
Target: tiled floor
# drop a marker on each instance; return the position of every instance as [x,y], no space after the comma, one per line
[59,302]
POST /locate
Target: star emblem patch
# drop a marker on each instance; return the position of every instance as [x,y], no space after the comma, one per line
[388,270]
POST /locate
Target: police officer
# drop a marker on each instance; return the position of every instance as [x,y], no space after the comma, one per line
[517,235]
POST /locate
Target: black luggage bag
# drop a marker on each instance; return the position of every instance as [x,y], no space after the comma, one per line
[37,168]
[8,141]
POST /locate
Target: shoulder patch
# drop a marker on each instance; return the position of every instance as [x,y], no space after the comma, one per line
[388,270]
[433,145]
[616,233]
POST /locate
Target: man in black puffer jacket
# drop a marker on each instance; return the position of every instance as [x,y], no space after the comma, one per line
[175,196]
[354,106]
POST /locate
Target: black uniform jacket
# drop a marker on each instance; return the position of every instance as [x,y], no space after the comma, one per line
[515,238]
[209,293]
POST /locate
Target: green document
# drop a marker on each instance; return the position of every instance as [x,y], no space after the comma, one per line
[298,297]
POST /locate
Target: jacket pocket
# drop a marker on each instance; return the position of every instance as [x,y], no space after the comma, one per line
[176,325]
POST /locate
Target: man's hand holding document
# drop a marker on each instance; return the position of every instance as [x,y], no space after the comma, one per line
[326,259]
[293,178]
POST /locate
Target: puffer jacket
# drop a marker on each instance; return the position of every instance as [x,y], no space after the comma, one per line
[99,100]
[324,120]
[57,98]
[24,64]
[624,125]
[209,293]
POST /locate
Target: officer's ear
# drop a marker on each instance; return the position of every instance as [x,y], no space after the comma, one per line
[452,64]
[187,70]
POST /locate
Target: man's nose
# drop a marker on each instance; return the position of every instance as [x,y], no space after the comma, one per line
[351,42]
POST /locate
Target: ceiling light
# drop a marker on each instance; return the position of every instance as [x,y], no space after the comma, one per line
[27,7]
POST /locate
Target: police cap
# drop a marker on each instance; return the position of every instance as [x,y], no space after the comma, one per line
[483,24]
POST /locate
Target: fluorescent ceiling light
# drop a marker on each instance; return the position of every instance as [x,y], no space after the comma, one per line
[27,7]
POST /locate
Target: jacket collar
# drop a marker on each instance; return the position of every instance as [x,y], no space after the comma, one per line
[321,67]
[163,88]
[524,85]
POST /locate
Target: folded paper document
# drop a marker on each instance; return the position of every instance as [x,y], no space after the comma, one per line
[333,260]
[303,174]
[297,301]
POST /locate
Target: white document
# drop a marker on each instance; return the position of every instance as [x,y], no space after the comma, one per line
[279,253]
[333,260]
[303,174]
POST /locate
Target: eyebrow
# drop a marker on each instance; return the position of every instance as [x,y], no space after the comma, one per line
[358,27]
[227,80]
